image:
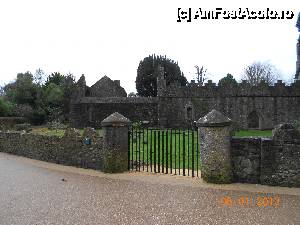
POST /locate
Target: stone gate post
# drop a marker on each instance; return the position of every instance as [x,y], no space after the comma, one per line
[115,143]
[214,139]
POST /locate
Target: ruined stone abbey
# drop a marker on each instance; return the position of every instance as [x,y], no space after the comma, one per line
[260,107]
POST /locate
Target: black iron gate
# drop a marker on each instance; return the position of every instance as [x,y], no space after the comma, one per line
[174,151]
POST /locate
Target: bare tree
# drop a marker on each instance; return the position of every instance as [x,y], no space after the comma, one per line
[200,75]
[260,71]
[289,80]
[39,77]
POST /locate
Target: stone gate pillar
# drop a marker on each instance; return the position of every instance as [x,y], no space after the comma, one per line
[115,143]
[214,139]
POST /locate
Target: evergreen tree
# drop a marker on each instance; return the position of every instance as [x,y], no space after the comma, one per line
[57,93]
[146,76]
[5,107]
[23,90]
[227,81]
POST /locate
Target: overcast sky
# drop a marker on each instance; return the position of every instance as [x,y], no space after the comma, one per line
[98,38]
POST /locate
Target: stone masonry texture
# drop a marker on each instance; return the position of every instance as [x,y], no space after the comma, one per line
[7,123]
[68,150]
[115,139]
[274,161]
[214,139]
[246,154]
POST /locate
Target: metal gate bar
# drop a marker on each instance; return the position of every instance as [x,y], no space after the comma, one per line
[166,151]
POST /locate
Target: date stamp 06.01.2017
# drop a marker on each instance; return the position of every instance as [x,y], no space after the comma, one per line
[250,201]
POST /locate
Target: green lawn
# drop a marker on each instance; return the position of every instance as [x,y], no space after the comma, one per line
[165,149]
[253,133]
[47,132]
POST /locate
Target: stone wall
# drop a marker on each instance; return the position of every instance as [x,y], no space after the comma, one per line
[108,153]
[272,104]
[91,111]
[246,154]
[274,161]
[179,106]
[280,157]
[68,150]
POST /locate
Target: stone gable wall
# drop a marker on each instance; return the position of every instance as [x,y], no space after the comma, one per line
[105,87]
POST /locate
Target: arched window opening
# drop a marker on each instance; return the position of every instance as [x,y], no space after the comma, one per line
[189,113]
[253,120]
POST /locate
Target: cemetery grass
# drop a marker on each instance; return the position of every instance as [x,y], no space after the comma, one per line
[164,149]
[253,133]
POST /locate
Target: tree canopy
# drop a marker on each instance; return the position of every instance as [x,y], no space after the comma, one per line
[57,92]
[5,107]
[227,81]
[23,90]
[37,100]
[147,77]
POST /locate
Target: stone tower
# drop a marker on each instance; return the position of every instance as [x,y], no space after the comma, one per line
[161,88]
[297,75]
[161,81]
[79,89]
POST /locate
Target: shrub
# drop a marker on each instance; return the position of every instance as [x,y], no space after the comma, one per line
[38,116]
[5,107]
[137,125]
[22,110]
[298,124]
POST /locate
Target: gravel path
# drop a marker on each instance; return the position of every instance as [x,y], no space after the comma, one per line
[33,192]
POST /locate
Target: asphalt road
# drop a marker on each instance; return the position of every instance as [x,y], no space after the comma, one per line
[33,192]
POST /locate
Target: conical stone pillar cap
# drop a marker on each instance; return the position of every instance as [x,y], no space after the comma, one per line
[115,120]
[214,119]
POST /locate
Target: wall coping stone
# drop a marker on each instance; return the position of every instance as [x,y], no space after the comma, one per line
[118,100]
[246,138]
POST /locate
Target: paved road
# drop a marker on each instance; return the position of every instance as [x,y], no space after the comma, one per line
[33,192]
